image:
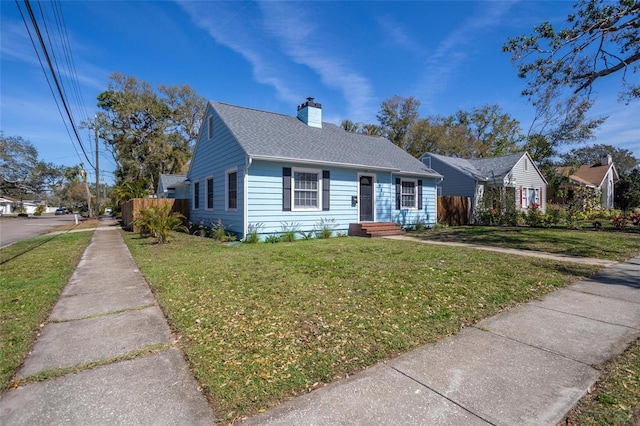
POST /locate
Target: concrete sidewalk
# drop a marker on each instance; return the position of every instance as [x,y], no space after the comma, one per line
[518,252]
[526,366]
[106,316]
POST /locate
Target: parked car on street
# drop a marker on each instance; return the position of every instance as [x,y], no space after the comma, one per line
[61,211]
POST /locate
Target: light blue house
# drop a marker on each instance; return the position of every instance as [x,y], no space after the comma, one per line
[266,172]
[513,173]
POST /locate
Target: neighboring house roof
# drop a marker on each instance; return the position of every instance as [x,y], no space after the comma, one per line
[482,169]
[170,181]
[591,175]
[271,136]
[8,200]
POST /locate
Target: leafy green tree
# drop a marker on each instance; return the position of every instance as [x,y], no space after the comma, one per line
[599,39]
[493,132]
[148,132]
[482,132]
[396,117]
[623,159]
[21,172]
[627,191]
[439,135]
[73,191]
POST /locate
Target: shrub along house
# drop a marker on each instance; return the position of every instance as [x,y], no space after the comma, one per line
[261,171]
[514,177]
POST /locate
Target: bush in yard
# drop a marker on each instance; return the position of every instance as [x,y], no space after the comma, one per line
[39,210]
[534,217]
[219,233]
[324,229]
[620,222]
[253,233]
[289,232]
[159,222]
[555,214]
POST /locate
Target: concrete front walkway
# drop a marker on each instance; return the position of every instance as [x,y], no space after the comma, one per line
[530,253]
[110,341]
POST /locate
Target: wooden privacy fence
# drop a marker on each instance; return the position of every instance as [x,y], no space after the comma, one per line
[453,210]
[133,206]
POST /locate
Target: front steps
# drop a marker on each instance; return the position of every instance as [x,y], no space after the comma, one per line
[374,229]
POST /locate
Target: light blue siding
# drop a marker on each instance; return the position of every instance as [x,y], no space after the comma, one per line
[409,217]
[212,158]
[265,200]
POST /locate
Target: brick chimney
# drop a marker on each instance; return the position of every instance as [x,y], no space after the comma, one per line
[310,113]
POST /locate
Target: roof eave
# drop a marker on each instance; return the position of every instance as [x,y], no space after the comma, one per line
[343,165]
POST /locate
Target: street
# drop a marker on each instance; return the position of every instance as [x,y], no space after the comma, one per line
[16,229]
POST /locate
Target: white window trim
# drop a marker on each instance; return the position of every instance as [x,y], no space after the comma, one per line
[206,193]
[415,194]
[226,189]
[318,173]
[524,202]
[196,206]
[210,127]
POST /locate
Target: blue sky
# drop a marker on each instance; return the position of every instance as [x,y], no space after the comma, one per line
[349,55]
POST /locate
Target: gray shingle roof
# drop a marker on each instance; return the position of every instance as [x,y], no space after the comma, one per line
[267,135]
[169,181]
[482,168]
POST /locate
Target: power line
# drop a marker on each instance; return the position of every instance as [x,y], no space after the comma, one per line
[53,74]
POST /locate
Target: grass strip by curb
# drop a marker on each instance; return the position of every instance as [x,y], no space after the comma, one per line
[30,284]
[615,399]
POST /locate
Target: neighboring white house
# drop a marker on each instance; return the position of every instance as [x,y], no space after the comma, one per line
[7,205]
[600,177]
[471,178]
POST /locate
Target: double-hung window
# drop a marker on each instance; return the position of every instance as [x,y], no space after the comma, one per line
[232,189]
[196,195]
[409,195]
[209,193]
[306,189]
[530,196]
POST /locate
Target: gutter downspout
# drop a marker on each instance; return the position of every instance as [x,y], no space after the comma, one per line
[245,226]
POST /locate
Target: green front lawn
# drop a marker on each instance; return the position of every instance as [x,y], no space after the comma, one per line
[32,276]
[609,244]
[262,322]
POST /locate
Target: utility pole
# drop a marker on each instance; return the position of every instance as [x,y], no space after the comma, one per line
[95,127]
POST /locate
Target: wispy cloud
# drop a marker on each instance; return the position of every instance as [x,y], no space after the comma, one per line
[454,50]
[305,44]
[240,29]
[17,46]
[277,39]
[397,35]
